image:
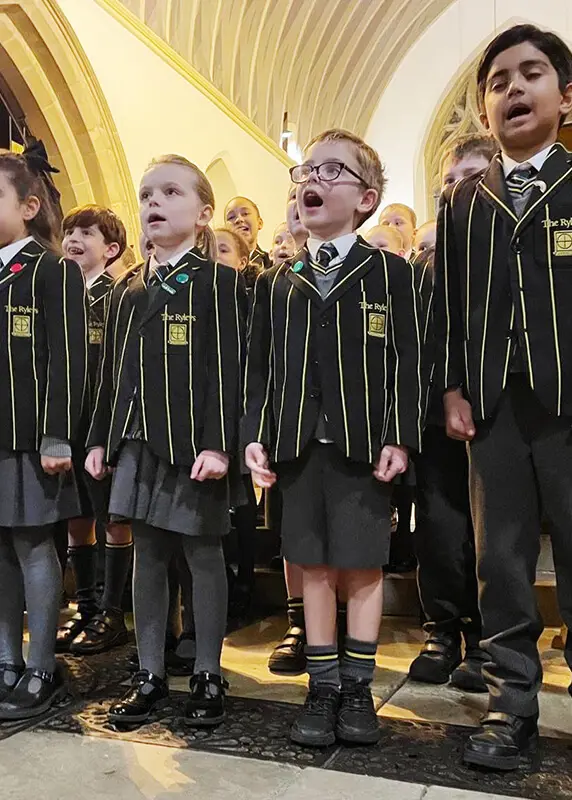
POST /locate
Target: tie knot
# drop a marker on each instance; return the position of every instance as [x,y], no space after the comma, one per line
[522,173]
[159,274]
[326,254]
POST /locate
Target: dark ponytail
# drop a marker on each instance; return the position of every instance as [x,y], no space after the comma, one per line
[29,174]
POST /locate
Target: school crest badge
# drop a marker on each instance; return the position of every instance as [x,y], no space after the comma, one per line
[95,335]
[178,333]
[22,326]
[563,243]
[376,325]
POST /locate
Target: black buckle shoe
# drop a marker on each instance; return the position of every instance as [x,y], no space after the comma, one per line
[439,656]
[148,692]
[177,666]
[205,703]
[34,694]
[13,673]
[357,721]
[288,657]
[316,723]
[501,741]
[71,629]
[105,631]
[468,676]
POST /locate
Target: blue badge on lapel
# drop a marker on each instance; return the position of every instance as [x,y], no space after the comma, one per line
[298,266]
[182,277]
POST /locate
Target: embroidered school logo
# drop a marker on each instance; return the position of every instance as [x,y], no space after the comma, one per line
[22,325]
[562,243]
[376,326]
[178,334]
[95,335]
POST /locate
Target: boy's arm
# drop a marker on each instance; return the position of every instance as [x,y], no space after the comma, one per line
[101,413]
[225,362]
[447,316]
[405,333]
[256,423]
[65,309]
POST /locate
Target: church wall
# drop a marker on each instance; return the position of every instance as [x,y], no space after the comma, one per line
[157,110]
[429,72]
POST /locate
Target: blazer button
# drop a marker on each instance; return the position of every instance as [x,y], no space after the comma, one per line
[517,248]
[324,322]
[315,395]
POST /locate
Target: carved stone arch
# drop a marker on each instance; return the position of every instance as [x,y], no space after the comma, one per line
[223,184]
[49,76]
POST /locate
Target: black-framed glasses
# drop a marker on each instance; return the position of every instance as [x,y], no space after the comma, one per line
[328,171]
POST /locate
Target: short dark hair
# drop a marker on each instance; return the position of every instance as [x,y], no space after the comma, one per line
[553,47]
[470,144]
[111,227]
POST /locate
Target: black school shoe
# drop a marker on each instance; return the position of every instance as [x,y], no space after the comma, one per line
[148,692]
[7,686]
[34,694]
[357,721]
[439,657]
[103,632]
[316,724]
[71,630]
[501,741]
[288,656]
[468,676]
[205,704]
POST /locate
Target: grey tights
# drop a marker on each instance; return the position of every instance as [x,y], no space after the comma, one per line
[154,549]
[29,568]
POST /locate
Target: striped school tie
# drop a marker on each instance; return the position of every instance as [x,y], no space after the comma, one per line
[327,252]
[520,184]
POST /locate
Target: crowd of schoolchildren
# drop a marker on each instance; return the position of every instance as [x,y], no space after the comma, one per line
[343,374]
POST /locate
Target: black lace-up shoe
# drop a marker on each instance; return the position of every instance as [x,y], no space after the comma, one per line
[357,721]
[316,723]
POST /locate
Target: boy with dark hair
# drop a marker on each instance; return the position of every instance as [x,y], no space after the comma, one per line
[332,409]
[95,238]
[466,156]
[504,363]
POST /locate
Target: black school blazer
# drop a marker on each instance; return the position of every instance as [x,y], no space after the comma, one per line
[174,363]
[356,354]
[497,275]
[43,348]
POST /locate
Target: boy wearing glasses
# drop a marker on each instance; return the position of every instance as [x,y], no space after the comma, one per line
[332,409]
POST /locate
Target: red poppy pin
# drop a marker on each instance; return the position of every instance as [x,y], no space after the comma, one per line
[16,268]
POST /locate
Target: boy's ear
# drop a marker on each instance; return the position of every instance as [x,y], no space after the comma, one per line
[484,120]
[260,223]
[111,250]
[368,200]
[566,104]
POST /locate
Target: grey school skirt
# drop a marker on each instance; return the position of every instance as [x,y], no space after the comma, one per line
[146,488]
[29,497]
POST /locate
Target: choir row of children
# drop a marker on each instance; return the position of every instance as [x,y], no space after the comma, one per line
[352,364]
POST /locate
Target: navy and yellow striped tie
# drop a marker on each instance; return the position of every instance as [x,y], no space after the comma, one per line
[520,183]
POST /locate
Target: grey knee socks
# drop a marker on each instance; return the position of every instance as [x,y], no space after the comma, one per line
[12,605]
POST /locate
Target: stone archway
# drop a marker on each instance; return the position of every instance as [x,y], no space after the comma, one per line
[51,79]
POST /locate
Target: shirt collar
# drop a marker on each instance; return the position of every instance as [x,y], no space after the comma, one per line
[343,245]
[8,252]
[89,283]
[536,161]
[173,261]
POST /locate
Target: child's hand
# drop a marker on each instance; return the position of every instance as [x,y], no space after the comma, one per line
[256,459]
[393,460]
[210,464]
[458,416]
[55,466]
[94,463]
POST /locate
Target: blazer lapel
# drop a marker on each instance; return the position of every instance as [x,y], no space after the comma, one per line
[17,265]
[493,188]
[98,290]
[177,281]
[359,261]
[555,171]
[302,276]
